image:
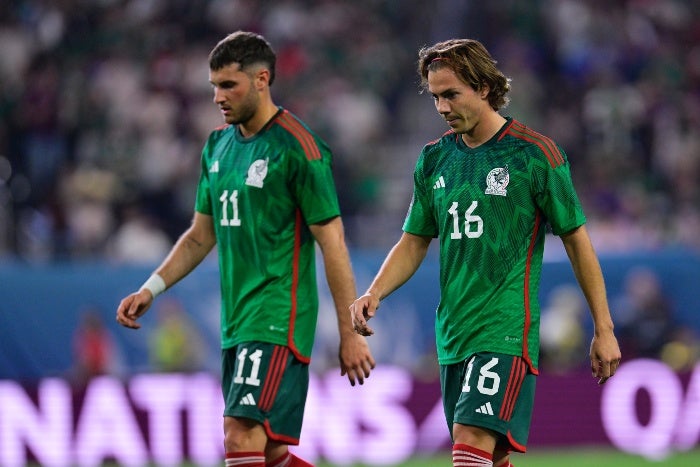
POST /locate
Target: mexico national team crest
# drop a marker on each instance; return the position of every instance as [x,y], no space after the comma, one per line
[497,181]
[257,173]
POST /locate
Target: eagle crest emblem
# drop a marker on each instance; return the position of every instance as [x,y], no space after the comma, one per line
[257,173]
[497,181]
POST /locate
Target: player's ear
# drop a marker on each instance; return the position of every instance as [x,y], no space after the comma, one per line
[262,79]
[484,90]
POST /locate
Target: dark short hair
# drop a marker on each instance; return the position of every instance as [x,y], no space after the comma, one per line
[472,64]
[246,49]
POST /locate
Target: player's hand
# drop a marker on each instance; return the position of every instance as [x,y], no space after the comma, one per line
[605,356]
[133,307]
[361,311]
[356,360]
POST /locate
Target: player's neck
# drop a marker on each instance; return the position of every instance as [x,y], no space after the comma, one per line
[264,114]
[487,127]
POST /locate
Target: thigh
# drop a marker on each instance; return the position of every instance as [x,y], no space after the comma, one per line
[244,434]
[266,383]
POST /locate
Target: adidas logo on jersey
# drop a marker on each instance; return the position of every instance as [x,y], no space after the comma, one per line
[439,184]
[485,409]
[214,167]
[247,400]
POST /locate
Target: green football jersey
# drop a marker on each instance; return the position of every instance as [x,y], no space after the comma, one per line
[263,192]
[489,206]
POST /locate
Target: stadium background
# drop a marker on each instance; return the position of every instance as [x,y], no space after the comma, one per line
[104,106]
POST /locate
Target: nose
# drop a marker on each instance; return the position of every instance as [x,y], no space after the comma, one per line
[442,106]
[218,97]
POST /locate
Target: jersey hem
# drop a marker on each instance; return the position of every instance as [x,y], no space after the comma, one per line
[452,361]
[303,358]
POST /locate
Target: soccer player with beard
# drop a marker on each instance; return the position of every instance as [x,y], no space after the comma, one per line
[266,196]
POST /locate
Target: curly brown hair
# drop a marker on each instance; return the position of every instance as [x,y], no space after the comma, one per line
[472,64]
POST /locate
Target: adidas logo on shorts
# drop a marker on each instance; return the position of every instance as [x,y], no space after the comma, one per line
[247,400]
[485,409]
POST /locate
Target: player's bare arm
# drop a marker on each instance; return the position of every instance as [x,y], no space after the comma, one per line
[605,352]
[400,264]
[190,249]
[356,360]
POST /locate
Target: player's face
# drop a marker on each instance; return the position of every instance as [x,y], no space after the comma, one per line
[234,93]
[461,106]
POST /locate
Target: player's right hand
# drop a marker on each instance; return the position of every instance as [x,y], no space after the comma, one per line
[361,311]
[133,307]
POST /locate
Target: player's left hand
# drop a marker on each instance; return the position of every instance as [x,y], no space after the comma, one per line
[356,360]
[605,356]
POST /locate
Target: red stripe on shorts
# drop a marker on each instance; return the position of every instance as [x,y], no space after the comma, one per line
[515,383]
[273,379]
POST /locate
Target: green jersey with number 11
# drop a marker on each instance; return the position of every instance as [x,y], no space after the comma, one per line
[263,192]
[489,206]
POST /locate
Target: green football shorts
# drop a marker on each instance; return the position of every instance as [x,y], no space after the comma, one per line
[492,391]
[266,383]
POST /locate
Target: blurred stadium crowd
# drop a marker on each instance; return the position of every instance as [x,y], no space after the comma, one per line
[105,105]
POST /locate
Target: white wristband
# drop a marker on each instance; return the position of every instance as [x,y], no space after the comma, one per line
[155,284]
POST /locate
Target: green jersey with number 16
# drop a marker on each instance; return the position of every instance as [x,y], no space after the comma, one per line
[263,192]
[489,206]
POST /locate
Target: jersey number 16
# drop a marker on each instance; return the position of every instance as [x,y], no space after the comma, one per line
[473,224]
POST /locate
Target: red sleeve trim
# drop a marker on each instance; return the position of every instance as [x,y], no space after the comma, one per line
[305,138]
[546,145]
